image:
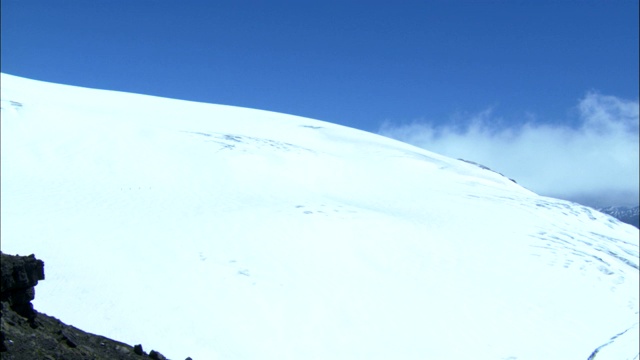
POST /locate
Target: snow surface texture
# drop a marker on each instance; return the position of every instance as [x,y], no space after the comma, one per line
[219,232]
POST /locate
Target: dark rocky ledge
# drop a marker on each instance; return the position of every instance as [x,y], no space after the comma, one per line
[27,334]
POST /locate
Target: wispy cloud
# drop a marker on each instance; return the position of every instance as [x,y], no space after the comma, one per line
[593,161]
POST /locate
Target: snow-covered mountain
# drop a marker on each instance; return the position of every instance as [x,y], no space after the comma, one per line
[229,233]
[629,215]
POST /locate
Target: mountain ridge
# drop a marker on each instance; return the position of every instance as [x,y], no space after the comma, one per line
[629,215]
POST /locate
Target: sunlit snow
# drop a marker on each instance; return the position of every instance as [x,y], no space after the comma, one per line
[219,232]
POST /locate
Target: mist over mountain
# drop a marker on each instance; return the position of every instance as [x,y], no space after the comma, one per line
[593,162]
[234,233]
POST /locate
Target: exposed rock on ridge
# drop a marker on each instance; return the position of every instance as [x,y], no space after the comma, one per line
[26,334]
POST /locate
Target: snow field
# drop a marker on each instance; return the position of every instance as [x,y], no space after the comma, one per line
[241,234]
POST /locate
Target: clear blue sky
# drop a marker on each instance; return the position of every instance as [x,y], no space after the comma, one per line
[545,92]
[356,63]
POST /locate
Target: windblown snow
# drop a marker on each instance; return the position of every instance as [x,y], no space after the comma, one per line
[219,232]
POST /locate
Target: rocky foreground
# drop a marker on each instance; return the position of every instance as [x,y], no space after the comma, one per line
[27,334]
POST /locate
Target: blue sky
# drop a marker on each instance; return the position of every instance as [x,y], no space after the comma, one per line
[380,66]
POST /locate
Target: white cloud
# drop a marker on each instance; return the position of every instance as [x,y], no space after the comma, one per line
[594,161]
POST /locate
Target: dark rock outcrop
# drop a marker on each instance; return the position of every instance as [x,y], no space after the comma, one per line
[156,355]
[20,274]
[26,334]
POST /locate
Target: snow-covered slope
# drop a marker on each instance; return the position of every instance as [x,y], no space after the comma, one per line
[219,232]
